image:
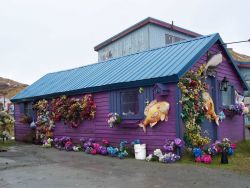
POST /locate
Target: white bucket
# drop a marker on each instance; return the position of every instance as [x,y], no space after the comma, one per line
[140,151]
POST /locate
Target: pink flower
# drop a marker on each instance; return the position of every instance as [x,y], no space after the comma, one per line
[198,159]
[207,159]
[233,146]
[93,152]
[96,145]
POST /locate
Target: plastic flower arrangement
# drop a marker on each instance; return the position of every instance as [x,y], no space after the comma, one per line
[225,146]
[60,143]
[45,126]
[219,147]
[47,143]
[114,119]
[92,147]
[6,124]
[192,85]
[73,116]
[236,109]
[163,158]
[59,108]
[73,110]
[69,145]
[89,107]
[169,156]
[172,145]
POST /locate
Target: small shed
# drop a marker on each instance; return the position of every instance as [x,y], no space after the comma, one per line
[124,85]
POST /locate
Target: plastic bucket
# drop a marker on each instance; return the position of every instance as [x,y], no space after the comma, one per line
[140,151]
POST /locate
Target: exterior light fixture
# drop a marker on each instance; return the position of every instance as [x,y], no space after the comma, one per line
[224,84]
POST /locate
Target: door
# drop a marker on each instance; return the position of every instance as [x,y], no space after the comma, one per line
[210,128]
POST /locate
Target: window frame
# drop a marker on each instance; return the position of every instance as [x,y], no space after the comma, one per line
[232,96]
[135,116]
[115,102]
[174,38]
[27,109]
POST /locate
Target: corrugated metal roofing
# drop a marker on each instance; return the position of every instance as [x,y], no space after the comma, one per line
[164,64]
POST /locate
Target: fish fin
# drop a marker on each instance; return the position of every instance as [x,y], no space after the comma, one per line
[143,127]
[153,124]
[149,106]
[217,121]
[163,117]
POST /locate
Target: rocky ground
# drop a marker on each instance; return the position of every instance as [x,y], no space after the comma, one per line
[25,166]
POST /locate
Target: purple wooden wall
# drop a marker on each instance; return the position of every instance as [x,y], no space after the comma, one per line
[21,130]
[128,130]
[232,128]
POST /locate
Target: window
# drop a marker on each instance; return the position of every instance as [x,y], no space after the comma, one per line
[28,109]
[169,39]
[227,97]
[129,103]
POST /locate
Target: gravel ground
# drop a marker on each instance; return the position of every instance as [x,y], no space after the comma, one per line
[25,166]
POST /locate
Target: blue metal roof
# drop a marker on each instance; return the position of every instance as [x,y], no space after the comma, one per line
[165,64]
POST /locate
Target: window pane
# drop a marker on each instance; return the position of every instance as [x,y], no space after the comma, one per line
[169,39]
[28,109]
[129,103]
[177,39]
[227,96]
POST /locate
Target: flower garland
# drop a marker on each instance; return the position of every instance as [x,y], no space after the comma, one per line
[193,113]
[73,110]
[59,108]
[45,124]
[73,116]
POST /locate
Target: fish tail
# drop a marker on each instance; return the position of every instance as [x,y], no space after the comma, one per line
[216,119]
[142,126]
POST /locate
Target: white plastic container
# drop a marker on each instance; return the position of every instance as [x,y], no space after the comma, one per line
[140,151]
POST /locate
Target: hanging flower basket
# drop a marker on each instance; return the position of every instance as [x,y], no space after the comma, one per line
[229,113]
[233,110]
[114,119]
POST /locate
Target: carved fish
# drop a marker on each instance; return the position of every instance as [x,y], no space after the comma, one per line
[214,60]
[209,105]
[154,112]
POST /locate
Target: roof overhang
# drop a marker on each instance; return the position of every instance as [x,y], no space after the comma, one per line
[110,87]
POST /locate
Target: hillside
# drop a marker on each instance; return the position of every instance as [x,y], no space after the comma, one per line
[10,88]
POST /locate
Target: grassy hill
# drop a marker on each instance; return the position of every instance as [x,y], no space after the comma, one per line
[10,88]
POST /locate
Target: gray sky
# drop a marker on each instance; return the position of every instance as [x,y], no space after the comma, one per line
[41,36]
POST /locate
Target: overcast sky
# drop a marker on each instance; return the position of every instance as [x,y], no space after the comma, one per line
[41,36]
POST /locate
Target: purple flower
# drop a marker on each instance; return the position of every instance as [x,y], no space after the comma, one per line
[168,148]
[178,142]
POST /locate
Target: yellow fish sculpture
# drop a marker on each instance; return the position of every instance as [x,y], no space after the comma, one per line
[154,112]
[209,107]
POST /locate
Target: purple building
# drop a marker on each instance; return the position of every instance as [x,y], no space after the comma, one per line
[115,85]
